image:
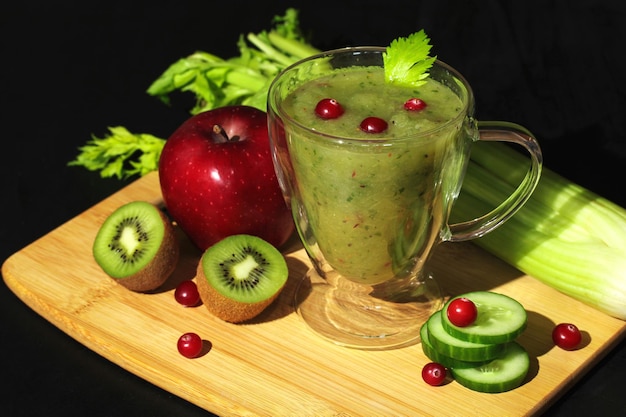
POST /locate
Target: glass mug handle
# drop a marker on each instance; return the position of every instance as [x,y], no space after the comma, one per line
[503,132]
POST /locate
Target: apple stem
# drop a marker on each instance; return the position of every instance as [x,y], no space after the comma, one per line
[220,136]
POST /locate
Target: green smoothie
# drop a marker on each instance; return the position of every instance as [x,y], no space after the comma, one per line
[372,205]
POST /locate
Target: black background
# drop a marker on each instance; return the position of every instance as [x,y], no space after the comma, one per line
[71,70]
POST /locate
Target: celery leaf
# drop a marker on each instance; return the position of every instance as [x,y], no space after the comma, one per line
[112,155]
[406,60]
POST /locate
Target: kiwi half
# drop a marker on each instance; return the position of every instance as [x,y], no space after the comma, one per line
[136,245]
[239,276]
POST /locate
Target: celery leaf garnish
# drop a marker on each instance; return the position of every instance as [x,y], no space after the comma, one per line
[407,61]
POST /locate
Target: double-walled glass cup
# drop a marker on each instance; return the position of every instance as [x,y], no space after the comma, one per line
[370,209]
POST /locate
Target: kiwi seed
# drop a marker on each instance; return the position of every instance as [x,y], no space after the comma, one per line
[239,276]
[136,245]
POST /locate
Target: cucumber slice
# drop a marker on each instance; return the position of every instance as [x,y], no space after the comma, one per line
[504,373]
[434,355]
[455,348]
[500,319]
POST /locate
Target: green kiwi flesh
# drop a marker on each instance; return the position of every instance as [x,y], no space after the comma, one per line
[239,276]
[137,246]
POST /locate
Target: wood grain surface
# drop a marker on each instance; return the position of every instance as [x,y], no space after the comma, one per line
[273,365]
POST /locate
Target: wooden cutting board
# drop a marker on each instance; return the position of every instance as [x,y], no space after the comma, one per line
[274,365]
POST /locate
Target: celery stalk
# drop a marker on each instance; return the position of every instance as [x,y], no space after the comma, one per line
[295,47]
[536,214]
[565,235]
[269,50]
[561,198]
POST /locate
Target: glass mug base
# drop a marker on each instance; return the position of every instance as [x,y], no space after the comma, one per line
[361,316]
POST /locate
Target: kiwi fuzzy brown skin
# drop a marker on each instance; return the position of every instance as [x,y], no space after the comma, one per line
[226,308]
[161,266]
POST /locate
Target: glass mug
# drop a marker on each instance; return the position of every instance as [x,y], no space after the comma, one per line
[370,209]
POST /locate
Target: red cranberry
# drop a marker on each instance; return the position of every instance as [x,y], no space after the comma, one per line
[373,124]
[415,104]
[328,108]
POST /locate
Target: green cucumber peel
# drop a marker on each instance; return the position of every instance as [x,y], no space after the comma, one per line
[505,372]
[436,356]
[453,347]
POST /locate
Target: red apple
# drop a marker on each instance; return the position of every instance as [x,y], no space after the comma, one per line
[217,178]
